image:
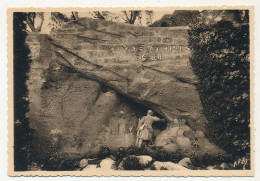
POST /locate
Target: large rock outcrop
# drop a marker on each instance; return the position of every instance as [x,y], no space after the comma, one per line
[88,71]
[73,114]
[149,65]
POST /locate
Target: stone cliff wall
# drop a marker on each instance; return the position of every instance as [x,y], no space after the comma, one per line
[71,112]
[86,72]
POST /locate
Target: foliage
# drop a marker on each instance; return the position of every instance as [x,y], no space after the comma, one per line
[58,19]
[178,18]
[119,155]
[134,150]
[22,132]
[203,161]
[220,59]
[130,16]
[132,163]
[58,162]
[161,155]
[30,20]
[104,152]
[212,16]
[192,17]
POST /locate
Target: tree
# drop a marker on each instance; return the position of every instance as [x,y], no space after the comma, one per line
[130,16]
[100,15]
[220,59]
[149,17]
[74,15]
[213,16]
[22,132]
[30,20]
[178,18]
[58,19]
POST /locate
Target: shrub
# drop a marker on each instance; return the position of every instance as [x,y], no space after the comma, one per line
[176,156]
[104,152]
[120,154]
[220,59]
[134,150]
[59,162]
[209,160]
[161,155]
[131,163]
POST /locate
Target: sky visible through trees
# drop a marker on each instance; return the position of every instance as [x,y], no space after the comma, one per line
[50,20]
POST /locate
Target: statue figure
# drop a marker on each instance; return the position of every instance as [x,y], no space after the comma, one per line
[122,123]
[145,129]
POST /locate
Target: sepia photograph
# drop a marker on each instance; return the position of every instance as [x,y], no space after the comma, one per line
[129,91]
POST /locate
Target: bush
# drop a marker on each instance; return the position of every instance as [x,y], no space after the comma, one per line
[176,156]
[220,59]
[120,154]
[59,162]
[161,155]
[209,160]
[134,150]
[104,152]
[131,163]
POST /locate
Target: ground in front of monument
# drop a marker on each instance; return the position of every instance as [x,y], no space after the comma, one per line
[155,92]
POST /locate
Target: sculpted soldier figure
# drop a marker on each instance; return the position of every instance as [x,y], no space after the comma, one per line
[145,129]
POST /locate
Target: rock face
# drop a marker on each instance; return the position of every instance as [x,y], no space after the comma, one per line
[148,65]
[86,72]
[69,112]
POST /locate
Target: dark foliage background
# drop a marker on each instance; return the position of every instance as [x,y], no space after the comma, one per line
[22,132]
[220,59]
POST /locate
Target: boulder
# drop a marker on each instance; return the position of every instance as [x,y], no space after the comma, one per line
[167,166]
[186,162]
[107,164]
[83,163]
[211,168]
[34,167]
[144,159]
[182,137]
[184,143]
[223,166]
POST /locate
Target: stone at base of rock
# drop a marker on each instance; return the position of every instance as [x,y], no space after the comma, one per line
[167,166]
[107,164]
[211,168]
[144,159]
[83,163]
[185,162]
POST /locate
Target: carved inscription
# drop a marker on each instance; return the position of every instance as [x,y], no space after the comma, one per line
[110,44]
[147,53]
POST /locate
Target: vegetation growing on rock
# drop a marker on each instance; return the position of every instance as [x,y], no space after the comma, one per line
[220,59]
